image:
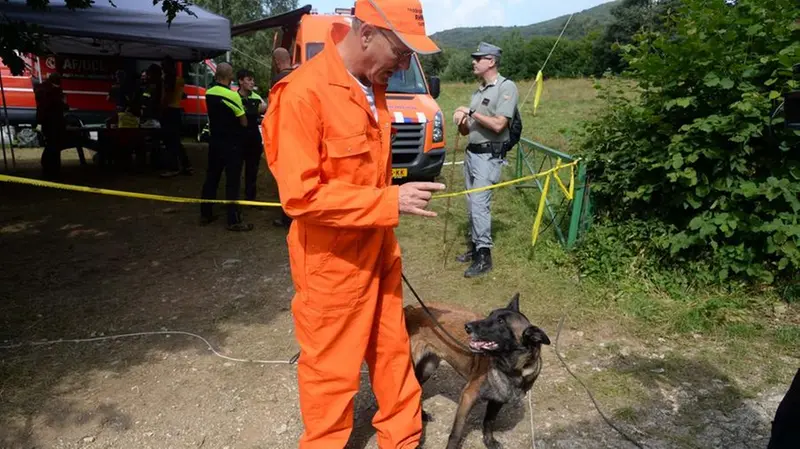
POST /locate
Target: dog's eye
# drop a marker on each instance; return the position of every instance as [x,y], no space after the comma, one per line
[501,321]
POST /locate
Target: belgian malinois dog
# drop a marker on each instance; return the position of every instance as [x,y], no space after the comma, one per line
[499,356]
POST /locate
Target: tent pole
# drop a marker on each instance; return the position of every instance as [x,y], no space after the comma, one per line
[2,135]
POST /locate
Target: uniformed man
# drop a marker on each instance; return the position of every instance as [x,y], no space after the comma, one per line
[486,122]
[253,151]
[227,122]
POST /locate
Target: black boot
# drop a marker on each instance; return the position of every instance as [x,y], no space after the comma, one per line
[468,256]
[481,265]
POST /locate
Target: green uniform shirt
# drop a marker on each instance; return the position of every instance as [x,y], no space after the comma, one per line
[224,109]
[494,99]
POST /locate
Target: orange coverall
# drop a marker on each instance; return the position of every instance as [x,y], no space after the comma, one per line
[332,164]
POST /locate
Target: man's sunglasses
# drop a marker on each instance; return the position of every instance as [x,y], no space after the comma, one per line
[400,54]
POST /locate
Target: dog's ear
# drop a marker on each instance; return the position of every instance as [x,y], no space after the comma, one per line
[514,304]
[534,336]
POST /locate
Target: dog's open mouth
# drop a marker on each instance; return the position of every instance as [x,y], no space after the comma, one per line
[480,345]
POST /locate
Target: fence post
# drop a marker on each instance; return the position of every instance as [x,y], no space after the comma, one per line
[577,206]
[520,155]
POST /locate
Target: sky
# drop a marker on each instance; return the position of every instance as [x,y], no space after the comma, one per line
[446,14]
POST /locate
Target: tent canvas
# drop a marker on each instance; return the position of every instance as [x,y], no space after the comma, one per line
[132,29]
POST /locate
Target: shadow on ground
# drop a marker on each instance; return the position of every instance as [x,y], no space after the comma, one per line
[79,265]
[686,404]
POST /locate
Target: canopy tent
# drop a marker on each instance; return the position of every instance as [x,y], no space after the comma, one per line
[131,29]
[135,29]
[290,18]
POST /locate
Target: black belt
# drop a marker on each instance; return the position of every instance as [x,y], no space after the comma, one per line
[486,147]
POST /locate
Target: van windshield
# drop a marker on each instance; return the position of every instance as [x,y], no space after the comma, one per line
[312,48]
[408,81]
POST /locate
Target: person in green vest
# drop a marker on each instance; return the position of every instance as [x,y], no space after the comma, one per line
[227,123]
[253,147]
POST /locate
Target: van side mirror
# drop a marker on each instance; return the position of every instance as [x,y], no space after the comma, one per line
[435,87]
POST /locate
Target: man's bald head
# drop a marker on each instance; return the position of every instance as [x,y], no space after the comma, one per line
[282,58]
[224,73]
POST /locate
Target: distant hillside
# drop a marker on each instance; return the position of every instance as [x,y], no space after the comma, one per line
[583,23]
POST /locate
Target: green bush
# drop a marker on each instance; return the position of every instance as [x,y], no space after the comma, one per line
[696,155]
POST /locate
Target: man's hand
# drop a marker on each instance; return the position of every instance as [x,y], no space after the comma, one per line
[461,121]
[458,118]
[414,197]
[463,109]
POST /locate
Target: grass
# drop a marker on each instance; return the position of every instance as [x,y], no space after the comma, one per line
[547,276]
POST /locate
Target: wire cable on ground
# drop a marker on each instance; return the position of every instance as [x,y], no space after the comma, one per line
[141,334]
[530,413]
[588,391]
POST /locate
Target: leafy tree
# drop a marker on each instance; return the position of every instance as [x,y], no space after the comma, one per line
[252,51]
[27,38]
[435,64]
[459,67]
[630,17]
[700,155]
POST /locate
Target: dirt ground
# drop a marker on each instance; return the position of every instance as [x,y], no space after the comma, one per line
[82,266]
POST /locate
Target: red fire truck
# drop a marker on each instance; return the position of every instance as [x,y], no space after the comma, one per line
[86,81]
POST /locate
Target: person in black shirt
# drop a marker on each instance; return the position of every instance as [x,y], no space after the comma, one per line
[254,107]
[227,123]
[51,105]
[283,63]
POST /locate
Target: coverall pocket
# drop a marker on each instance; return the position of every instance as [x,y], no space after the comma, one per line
[351,159]
[331,269]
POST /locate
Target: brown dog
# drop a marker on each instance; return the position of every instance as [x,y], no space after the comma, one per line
[499,356]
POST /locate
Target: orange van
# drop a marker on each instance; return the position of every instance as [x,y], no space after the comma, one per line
[418,151]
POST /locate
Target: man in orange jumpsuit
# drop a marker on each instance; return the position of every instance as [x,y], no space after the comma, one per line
[328,144]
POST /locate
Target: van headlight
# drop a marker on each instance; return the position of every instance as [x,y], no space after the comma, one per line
[438,127]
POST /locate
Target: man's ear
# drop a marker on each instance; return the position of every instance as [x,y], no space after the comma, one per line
[367,33]
[514,304]
[533,336]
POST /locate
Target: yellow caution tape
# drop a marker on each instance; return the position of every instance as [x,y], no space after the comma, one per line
[178,199]
[540,213]
[145,196]
[543,174]
[567,192]
[539,87]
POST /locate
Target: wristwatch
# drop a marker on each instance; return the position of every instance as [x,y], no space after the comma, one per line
[471,111]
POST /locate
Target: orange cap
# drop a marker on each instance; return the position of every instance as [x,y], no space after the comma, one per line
[403,17]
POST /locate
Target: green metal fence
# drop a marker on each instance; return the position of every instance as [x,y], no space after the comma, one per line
[532,158]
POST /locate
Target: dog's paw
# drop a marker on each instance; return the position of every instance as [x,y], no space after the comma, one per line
[492,443]
[427,417]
